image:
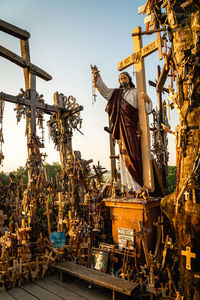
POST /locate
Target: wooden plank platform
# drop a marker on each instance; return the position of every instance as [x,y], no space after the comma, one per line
[96,277]
[5,296]
[55,287]
[18,293]
[94,292]
[51,287]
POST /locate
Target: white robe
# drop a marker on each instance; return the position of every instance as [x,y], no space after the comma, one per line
[130,95]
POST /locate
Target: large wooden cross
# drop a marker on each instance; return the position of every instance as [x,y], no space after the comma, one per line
[30,98]
[137,58]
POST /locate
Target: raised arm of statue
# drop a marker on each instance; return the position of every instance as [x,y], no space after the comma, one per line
[99,84]
[95,73]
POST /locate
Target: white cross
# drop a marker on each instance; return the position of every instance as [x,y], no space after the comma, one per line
[186,195]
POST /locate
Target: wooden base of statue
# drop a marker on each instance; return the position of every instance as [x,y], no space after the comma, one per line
[134,217]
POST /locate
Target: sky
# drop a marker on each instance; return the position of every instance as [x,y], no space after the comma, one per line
[66,37]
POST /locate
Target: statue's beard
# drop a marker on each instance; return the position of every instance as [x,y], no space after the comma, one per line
[124,85]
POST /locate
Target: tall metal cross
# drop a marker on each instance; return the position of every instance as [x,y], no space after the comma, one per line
[137,58]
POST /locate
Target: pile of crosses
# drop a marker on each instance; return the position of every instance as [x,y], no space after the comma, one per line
[26,248]
[30,214]
[33,212]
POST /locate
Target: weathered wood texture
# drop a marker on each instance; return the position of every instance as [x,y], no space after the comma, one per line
[127,214]
[22,63]
[14,30]
[70,283]
[48,109]
[25,52]
[57,289]
[148,177]
[40,292]
[19,293]
[6,296]
[96,277]
[52,288]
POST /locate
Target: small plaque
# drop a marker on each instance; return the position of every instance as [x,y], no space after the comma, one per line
[58,238]
[124,235]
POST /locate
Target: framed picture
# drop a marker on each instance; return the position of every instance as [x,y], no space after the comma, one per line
[58,238]
[100,259]
[107,247]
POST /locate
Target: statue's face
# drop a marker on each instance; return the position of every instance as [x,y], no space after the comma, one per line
[124,81]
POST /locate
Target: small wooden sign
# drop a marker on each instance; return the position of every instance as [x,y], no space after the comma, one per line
[135,58]
[124,235]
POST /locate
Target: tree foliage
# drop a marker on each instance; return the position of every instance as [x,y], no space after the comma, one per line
[53,169]
[4,178]
[23,172]
[172,178]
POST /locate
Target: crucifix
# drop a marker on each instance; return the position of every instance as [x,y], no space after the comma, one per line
[137,58]
[61,126]
[189,255]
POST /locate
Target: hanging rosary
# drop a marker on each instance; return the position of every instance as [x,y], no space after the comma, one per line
[95,71]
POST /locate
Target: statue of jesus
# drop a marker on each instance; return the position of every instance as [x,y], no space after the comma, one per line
[122,108]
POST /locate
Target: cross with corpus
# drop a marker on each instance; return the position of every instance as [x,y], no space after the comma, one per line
[137,58]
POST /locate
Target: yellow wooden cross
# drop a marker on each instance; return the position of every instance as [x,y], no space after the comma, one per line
[188,255]
[137,58]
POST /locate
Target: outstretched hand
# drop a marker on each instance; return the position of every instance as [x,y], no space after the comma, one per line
[94,69]
[95,73]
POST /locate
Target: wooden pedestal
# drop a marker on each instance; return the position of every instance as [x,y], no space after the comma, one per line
[126,213]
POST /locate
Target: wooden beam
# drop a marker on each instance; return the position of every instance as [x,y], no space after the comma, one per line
[40,73]
[25,52]
[12,57]
[24,64]
[70,112]
[14,30]
[33,100]
[155,84]
[49,109]
[148,177]
[148,32]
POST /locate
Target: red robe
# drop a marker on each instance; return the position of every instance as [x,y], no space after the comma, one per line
[124,118]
